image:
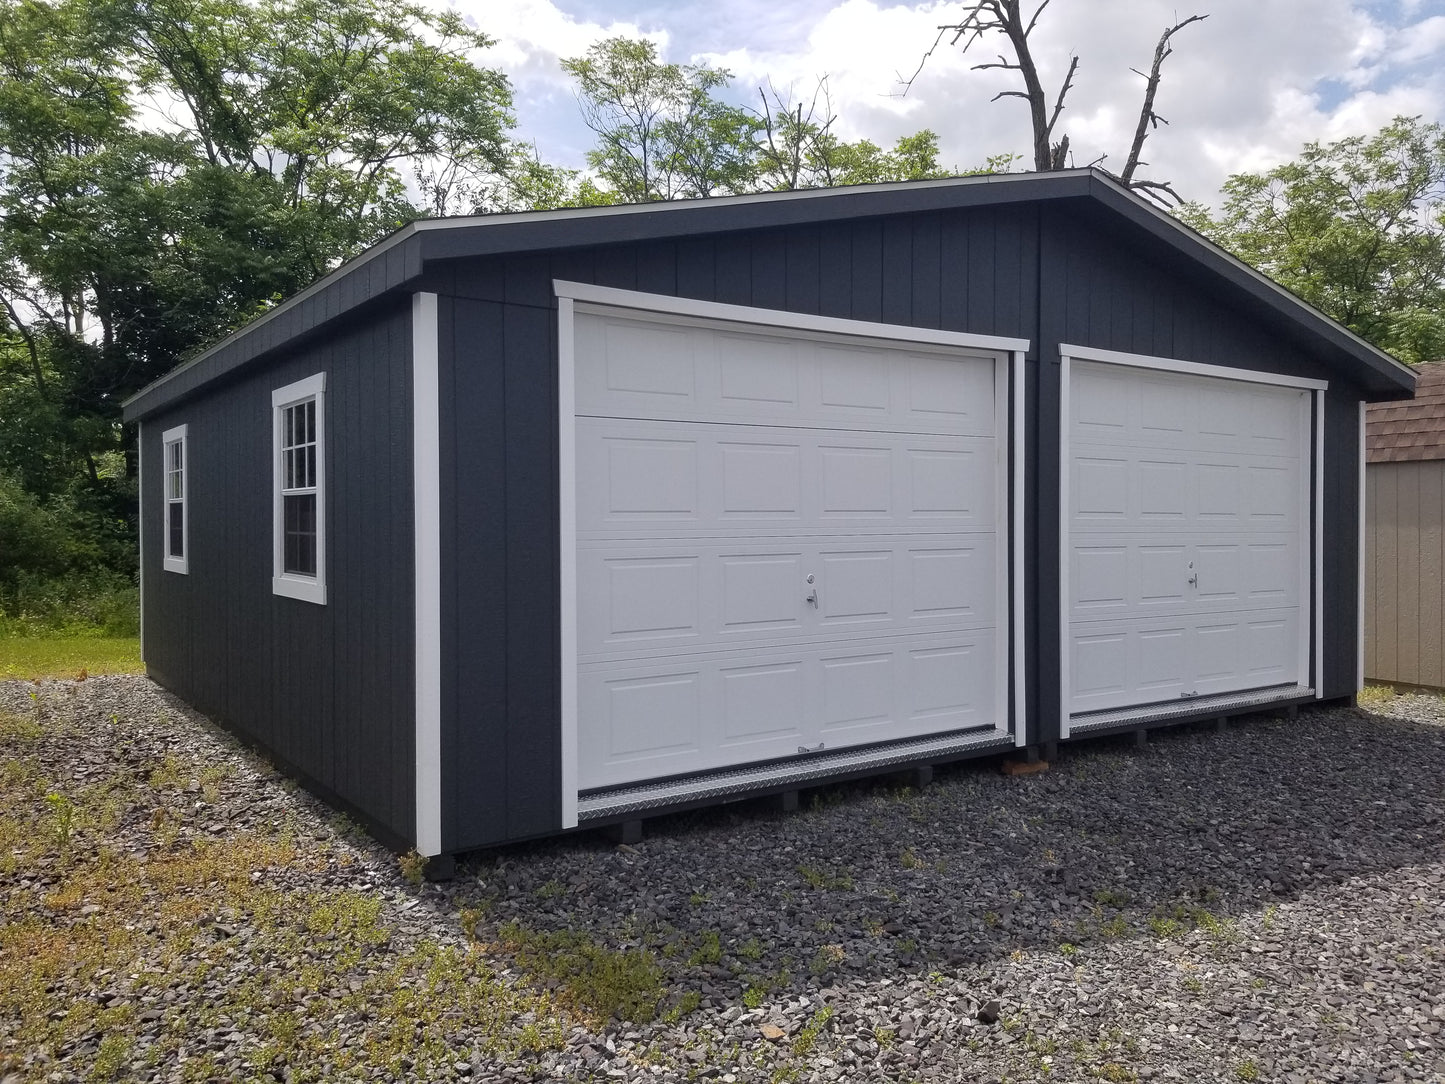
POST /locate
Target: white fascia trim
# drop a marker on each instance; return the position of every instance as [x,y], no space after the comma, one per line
[140,478]
[179,564]
[1018,626]
[1197,368]
[427,599]
[712,310]
[289,585]
[567,572]
[1065,655]
[1360,545]
[1319,562]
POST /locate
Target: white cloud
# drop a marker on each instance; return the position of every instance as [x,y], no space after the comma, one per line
[1243,90]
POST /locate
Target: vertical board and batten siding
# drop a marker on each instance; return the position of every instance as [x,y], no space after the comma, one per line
[1404,566]
[500,588]
[327,689]
[1098,290]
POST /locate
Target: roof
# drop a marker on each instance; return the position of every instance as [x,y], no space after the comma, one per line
[1413,429]
[397,262]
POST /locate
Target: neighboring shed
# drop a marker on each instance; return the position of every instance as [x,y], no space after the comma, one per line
[1405,535]
[526,522]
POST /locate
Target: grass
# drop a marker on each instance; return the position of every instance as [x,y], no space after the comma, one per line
[33,657]
[119,890]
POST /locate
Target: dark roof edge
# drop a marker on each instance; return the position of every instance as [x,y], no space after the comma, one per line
[1168,228]
[400,257]
[138,406]
[443,238]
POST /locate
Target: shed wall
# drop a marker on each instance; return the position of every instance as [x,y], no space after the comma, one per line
[1036,272]
[327,690]
[1404,566]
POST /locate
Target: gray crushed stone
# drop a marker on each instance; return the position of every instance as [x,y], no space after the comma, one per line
[1266,903]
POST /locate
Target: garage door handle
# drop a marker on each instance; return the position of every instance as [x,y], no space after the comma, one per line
[1194,580]
[812,597]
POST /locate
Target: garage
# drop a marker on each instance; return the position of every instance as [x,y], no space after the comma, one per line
[625,510]
[789,540]
[1186,522]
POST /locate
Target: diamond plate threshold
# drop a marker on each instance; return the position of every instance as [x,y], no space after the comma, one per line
[814,767]
[1219,704]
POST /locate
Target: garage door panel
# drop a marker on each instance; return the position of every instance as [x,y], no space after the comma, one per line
[1146,408]
[651,369]
[1114,489]
[1127,663]
[653,717]
[670,596]
[1112,577]
[639,478]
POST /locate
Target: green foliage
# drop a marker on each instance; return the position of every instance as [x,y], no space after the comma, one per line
[626,985]
[662,131]
[1356,228]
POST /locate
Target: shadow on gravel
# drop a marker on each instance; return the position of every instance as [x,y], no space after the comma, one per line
[872,880]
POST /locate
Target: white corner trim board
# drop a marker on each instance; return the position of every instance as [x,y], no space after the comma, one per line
[1360,544]
[140,475]
[612,297]
[1195,368]
[567,526]
[426,481]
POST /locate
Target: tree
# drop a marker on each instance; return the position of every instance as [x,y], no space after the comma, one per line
[1356,228]
[663,132]
[169,169]
[1007,19]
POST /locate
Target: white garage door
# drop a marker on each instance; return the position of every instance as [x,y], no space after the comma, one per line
[1187,524]
[785,542]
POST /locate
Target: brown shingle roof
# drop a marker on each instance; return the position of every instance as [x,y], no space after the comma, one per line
[1410,428]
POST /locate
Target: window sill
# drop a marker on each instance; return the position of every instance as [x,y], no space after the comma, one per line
[175,564]
[297,587]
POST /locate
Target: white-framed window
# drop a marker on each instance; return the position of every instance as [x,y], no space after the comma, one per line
[299,424]
[174,518]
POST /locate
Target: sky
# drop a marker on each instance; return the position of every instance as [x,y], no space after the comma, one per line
[1243,91]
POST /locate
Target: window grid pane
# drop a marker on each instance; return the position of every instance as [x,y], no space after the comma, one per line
[175,487]
[298,489]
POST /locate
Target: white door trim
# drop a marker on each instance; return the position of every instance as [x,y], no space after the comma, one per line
[1196,368]
[1317,609]
[573,297]
[1311,600]
[427,604]
[567,526]
[1064,562]
[777,318]
[1019,624]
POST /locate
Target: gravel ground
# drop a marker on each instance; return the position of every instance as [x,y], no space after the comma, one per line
[1263,904]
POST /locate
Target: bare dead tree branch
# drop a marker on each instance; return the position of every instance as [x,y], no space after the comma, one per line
[1148,118]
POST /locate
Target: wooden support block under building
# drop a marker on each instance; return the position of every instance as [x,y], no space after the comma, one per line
[1051,750]
[441,867]
[922,776]
[1221,724]
[788,801]
[1024,767]
[1141,738]
[628,832]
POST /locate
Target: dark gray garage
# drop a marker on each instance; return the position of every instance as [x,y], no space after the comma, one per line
[527,522]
